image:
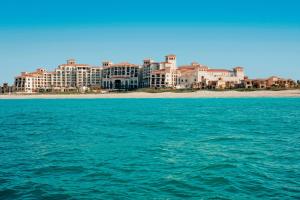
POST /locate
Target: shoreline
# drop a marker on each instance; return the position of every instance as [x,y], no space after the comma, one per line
[136,95]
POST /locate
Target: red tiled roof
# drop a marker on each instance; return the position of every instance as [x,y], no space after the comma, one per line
[28,75]
[238,67]
[218,70]
[273,77]
[186,67]
[75,65]
[124,64]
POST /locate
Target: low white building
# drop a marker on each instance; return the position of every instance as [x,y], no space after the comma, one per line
[220,78]
[187,76]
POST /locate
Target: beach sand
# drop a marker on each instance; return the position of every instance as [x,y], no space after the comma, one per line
[197,94]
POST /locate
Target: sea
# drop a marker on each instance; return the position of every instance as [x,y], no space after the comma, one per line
[214,148]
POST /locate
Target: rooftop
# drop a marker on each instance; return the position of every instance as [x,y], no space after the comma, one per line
[218,70]
[171,55]
[124,64]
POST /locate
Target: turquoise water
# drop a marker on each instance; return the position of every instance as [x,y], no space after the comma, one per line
[150,149]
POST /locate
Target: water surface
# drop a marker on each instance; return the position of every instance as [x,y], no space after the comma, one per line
[150,149]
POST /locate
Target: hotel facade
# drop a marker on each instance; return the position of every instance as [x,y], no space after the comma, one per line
[126,76]
[120,76]
[66,77]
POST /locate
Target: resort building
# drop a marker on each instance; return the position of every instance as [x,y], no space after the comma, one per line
[67,77]
[201,77]
[31,82]
[167,74]
[219,78]
[74,76]
[6,89]
[120,76]
[163,74]
[277,82]
[125,76]
[188,76]
[272,82]
[148,66]
[255,83]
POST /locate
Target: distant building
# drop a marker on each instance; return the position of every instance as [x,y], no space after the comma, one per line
[188,76]
[278,82]
[220,78]
[120,76]
[72,76]
[6,89]
[69,76]
[164,74]
[125,76]
[167,74]
[148,67]
[272,82]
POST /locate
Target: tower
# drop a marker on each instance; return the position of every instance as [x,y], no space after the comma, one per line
[71,62]
[106,63]
[148,62]
[172,60]
[239,72]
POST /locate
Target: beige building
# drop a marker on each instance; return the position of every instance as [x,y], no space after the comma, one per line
[219,78]
[80,77]
[272,82]
[6,89]
[67,77]
[278,82]
[148,66]
[188,76]
[164,74]
[168,75]
[125,76]
[73,75]
[120,76]
[31,82]
[201,77]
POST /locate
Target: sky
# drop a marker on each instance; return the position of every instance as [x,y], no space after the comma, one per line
[261,35]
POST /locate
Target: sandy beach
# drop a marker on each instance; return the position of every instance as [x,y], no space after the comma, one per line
[197,94]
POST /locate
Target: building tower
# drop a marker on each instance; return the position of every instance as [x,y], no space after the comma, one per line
[172,60]
[239,72]
[71,62]
[106,63]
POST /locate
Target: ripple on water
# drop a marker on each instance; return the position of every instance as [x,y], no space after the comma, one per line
[150,149]
[219,166]
[58,170]
[8,194]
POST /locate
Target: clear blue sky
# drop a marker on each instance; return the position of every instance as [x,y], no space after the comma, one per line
[261,35]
